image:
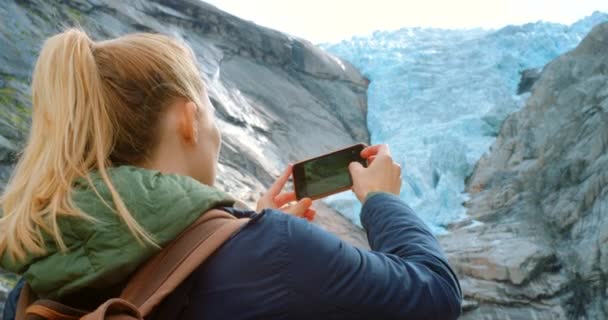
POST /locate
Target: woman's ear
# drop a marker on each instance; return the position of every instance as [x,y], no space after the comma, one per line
[188,124]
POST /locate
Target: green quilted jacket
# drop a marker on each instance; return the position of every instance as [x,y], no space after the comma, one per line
[104,253]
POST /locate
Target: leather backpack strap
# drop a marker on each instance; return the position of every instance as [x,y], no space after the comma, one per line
[158,277]
[29,307]
[153,281]
[115,309]
[48,309]
[26,298]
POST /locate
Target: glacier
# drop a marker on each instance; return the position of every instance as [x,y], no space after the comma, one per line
[438,98]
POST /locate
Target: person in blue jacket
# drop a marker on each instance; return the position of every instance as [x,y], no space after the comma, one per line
[278,266]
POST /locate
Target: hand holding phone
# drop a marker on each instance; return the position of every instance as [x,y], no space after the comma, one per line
[345,169]
[274,198]
[382,173]
[327,174]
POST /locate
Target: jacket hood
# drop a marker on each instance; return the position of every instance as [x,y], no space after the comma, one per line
[104,253]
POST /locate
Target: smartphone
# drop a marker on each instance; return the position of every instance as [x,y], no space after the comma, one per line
[326,174]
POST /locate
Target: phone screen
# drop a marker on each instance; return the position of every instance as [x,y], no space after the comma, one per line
[327,174]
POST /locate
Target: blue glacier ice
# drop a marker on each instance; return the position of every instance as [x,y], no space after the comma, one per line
[438,98]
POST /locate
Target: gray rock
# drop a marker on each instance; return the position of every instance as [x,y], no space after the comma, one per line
[279,99]
[538,246]
[528,78]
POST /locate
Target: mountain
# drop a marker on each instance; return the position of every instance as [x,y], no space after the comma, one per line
[521,204]
[278,98]
[438,98]
[539,249]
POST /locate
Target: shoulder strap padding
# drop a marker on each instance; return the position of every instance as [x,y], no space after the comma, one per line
[115,309]
[158,277]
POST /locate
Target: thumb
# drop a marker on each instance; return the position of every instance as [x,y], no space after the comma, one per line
[355,168]
[301,207]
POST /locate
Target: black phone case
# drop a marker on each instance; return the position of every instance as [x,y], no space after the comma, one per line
[299,176]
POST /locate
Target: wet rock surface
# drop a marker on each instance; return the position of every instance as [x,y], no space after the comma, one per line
[278,98]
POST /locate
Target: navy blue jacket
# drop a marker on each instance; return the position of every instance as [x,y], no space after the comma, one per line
[283,267]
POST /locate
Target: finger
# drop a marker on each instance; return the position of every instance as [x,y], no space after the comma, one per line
[376,149]
[284,198]
[354,168]
[310,214]
[397,166]
[263,203]
[299,208]
[370,160]
[278,185]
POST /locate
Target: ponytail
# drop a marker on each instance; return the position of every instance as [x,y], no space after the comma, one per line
[73,131]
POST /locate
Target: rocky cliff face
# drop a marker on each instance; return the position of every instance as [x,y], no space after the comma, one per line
[279,99]
[537,247]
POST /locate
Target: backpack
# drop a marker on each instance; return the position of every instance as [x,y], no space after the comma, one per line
[152,281]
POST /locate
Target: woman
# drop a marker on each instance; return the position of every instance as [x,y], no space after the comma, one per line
[122,156]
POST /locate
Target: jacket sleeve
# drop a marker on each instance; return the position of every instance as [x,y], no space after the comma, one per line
[404,276]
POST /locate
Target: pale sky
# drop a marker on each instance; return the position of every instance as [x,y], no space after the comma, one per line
[334,20]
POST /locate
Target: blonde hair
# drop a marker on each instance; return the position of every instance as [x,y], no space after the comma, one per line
[94,105]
